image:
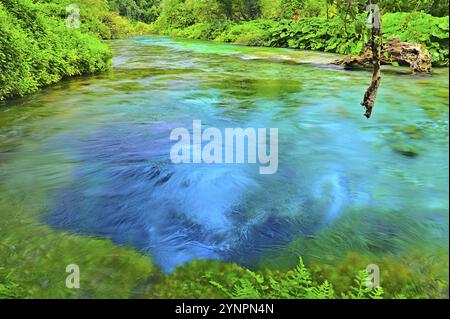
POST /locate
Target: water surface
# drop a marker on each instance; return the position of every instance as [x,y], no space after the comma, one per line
[98,149]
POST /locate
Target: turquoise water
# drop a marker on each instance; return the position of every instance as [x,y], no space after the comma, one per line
[97,148]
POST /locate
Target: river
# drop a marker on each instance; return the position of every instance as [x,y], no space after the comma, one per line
[90,155]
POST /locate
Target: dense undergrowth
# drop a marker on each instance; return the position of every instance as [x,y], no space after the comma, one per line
[37,48]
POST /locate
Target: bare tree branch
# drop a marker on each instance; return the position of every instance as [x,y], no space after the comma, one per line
[376,43]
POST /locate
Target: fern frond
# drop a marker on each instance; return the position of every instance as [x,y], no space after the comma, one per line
[246,290]
[324,291]
[221,288]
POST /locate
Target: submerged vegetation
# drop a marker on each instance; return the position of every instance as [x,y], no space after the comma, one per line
[33,257]
[219,280]
[37,49]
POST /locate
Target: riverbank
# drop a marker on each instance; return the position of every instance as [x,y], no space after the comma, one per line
[41,46]
[319,33]
[42,43]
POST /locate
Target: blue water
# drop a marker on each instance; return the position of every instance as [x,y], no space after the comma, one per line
[110,136]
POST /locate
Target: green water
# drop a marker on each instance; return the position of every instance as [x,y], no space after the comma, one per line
[89,158]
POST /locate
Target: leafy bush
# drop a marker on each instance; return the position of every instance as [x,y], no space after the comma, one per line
[175,15]
[141,28]
[37,49]
[203,31]
[179,14]
[320,34]
[254,33]
[95,16]
[420,28]
[437,8]
[334,36]
[141,10]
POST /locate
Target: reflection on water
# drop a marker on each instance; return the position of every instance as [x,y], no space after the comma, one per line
[99,148]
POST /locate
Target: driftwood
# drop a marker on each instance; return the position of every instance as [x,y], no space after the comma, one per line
[376,45]
[394,51]
[375,54]
[414,55]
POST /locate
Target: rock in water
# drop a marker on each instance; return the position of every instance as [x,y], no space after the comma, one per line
[415,55]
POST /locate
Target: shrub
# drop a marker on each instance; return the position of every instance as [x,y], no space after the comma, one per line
[334,35]
[420,28]
[203,31]
[141,10]
[37,49]
[320,34]
[141,28]
[255,33]
[96,17]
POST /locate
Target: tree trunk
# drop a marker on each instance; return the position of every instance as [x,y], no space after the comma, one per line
[376,44]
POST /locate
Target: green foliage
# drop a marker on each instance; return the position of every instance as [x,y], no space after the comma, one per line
[141,10]
[193,280]
[174,15]
[320,34]
[296,9]
[438,8]
[96,17]
[8,288]
[361,291]
[206,11]
[254,33]
[270,9]
[37,49]
[214,279]
[245,10]
[338,34]
[289,8]
[420,28]
[410,265]
[313,8]
[294,284]
[178,14]
[202,31]
[334,35]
